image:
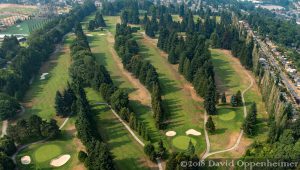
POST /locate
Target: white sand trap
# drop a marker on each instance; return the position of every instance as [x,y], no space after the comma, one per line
[193,132]
[18,26]
[170,133]
[101,34]
[43,76]
[25,160]
[60,161]
[89,35]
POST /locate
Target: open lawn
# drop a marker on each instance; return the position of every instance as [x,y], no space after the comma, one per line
[231,77]
[184,113]
[128,154]
[25,27]
[40,97]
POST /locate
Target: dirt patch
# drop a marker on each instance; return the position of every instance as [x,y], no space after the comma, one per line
[142,94]
[79,167]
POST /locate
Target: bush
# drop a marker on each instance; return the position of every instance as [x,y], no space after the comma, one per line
[82,156]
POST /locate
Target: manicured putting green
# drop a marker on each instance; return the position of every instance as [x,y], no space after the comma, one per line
[47,152]
[226,114]
[182,142]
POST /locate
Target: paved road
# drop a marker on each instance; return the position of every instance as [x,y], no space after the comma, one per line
[207,152]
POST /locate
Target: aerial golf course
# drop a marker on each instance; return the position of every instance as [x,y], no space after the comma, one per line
[181,103]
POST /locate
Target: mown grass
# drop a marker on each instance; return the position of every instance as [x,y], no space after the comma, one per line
[25,27]
[41,94]
[128,154]
[41,154]
[183,112]
[39,100]
[102,50]
[231,80]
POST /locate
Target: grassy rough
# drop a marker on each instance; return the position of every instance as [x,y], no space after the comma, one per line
[231,79]
[41,95]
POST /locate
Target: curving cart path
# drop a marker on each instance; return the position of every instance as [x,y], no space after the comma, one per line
[207,152]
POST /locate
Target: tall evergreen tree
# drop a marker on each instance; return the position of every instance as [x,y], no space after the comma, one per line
[191,148]
[210,125]
[223,98]
[59,104]
[250,121]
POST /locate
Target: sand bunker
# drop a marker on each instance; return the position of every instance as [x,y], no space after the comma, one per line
[43,76]
[89,35]
[101,34]
[18,26]
[193,132]
[25,160]
[60,161]
[170,133]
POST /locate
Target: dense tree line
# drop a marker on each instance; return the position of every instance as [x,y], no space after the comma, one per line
[130,14]
[194,61]
[85,72]
[282,31]
[128,49]
[7,148]
[250,121]
[9,107]
[65,102]
[115,7]
[41,43]
[97,22]
[8,50]
[33,129]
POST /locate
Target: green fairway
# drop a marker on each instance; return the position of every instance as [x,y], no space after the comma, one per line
[119,144]
[226,113]
[39,99]
[128,154]
[25,27]
[184,112]
[47,152]
[182,142]
[103,53]
[230,78]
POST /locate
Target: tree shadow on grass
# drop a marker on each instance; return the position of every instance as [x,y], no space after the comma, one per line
[226,73]
[132,163]
[141,110]
[219,131]
[101,58]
